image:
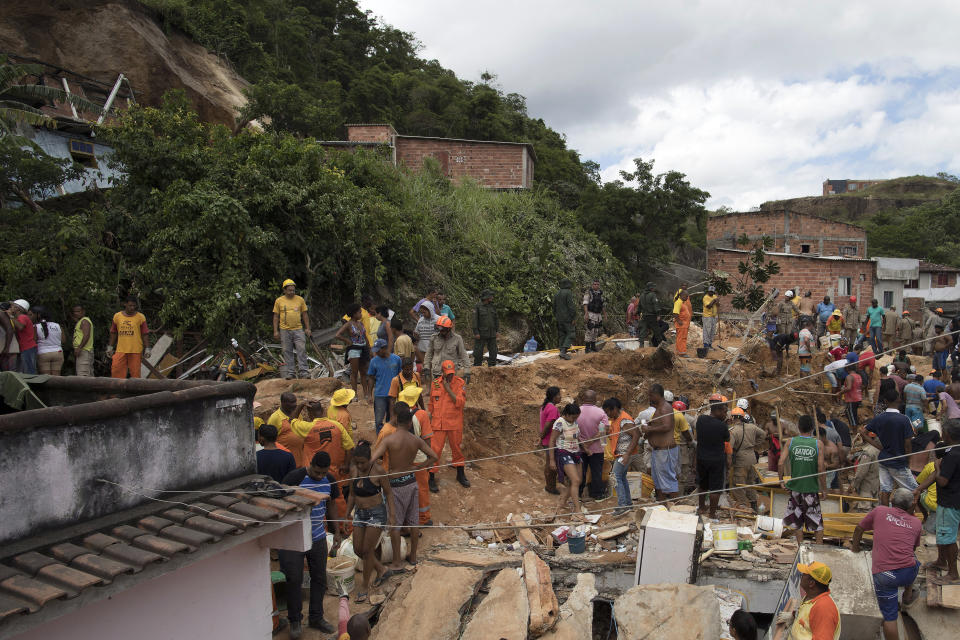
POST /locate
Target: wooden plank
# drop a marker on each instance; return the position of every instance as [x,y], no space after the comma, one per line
[169,362]
[544,607]
[933,589]
[613,533]
[157,352]
[950,596]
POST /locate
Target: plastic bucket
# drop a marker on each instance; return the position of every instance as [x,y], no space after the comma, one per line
[341,571]
[576,542]
[725,537]
[769,526]
[386,549]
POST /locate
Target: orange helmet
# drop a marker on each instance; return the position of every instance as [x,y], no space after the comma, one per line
[737,411]
[444,321]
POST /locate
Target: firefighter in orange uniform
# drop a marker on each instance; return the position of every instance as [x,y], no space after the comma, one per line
[447,399]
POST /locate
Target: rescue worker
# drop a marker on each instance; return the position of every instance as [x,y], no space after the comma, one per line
[291,326]
[564,312]
[447,399]
[785,313]
[486,327]
[649,306]
[745,436]
[904,330]
[851,320]
[594,315]
[320,433]
[445,345]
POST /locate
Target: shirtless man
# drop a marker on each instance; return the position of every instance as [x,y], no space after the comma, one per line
[402,447]
[831,455]
[665,457]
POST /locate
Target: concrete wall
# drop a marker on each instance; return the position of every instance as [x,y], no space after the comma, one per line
[808,273]
[224,596]
[50,459]
[371,133]
[57,144]
[895,287]
[793,230]
[493,165]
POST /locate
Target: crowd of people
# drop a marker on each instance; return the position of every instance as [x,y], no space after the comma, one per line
[32,342]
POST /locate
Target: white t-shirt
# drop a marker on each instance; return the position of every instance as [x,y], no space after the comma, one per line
[806,341]
[53,341]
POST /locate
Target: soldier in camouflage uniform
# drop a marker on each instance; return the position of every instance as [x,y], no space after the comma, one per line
[486,326]
[648,308]
[564,311]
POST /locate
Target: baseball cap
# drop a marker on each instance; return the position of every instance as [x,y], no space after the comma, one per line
[853,356]
[342,397]
[380,343]
[410,395]
[448,367]
[816,570]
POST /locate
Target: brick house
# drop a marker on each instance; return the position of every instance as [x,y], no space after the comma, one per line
[833,187]
[493,164]
[938,285]
[792,233]
[814,254]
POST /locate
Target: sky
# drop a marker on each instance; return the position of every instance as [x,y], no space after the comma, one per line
[753,101]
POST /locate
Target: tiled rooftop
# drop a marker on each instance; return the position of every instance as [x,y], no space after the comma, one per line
[116,557]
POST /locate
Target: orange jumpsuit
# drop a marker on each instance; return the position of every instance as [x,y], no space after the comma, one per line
[423,476]
[291,441]
[326,435]
[447,418]
[683,325]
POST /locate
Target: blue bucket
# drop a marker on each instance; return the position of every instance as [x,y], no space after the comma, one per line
[576,543]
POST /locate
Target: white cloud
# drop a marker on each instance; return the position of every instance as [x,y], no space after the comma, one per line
[752,100]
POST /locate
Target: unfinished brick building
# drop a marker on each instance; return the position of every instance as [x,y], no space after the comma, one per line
[493,164]
[814,254]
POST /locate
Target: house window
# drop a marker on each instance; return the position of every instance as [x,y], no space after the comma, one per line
[887,299]
[913,284]
[804,248]
[848,251]
[844,286]
[943,279]
[82,153]
[852,186]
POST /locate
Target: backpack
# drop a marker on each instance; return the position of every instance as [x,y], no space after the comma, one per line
[596,302]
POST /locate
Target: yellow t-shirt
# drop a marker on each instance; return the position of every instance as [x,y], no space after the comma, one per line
[289,310]
[403,346]
[680,425]
[711,312]
[930,497]
[130,331]
[276,419]
[302,428]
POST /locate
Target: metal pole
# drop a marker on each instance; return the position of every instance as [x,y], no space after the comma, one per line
[66,88]
[110,98]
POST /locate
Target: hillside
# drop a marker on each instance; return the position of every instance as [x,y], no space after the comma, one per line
[899,193]
[102,38]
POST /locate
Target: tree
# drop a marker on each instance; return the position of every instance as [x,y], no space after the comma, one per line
[752,272]
[644,216]
[28,174]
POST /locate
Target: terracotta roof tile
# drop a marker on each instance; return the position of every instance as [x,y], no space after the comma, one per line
[257,513]
[299,500]
[70,580]
[128,533]
[34,592]
[178,515]
[160,545]
[103,567]
[153,524]
[131,555]
[99,541]
[32,562]
[234,519]
[272,503]
[11,606]
[67,551]
[208,525]
[223,501]
[187,536]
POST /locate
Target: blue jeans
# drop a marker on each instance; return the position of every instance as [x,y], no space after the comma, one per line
[381,411]
[875,339]
[940,360]
[28,361]
[623,487]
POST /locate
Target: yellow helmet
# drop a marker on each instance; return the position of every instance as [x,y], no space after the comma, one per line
[287,283]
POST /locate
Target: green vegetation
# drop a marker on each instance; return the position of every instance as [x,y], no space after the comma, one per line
[928,231]
[206,225]
[19,99]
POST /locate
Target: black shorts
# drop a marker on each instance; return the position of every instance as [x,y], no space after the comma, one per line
[710,475]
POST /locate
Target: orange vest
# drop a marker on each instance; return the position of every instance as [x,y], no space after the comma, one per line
[385,431]
[325,436]
[290,441]
[447,414]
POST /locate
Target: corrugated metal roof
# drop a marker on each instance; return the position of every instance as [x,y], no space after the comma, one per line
[898,268]
[808,256]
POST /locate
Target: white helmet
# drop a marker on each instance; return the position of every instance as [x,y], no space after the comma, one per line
[23,304]
[789,293]
[742,403]
[668,396]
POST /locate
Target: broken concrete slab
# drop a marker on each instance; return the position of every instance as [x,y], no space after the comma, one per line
[525,536]
[576,614]
[504,613]
[668,611]
[934,623]
[426,612]
[544,607]
[478,558]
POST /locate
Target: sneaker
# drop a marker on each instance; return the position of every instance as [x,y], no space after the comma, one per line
[622,510]
[323,625]
[296,630]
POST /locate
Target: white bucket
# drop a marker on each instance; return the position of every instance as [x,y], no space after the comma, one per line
[769,526]
[725,537]
[386,549]
[341,571]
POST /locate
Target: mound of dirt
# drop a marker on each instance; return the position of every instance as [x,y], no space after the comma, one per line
[103,38]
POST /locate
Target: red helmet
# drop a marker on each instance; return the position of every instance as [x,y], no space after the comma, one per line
[679,406]
[444,321]
[853,298]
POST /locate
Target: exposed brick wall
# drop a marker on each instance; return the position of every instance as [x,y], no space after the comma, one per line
[370,133]
[914,306]
[824,237]
[497,166]
[819,275]
[935,279]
